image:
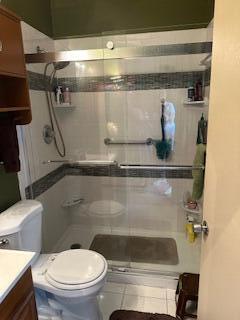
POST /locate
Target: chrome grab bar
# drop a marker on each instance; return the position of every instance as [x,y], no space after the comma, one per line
[83,162]
[148,141]
[159,167]
[125,165]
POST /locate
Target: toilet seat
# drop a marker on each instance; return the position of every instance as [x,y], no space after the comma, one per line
[76,269]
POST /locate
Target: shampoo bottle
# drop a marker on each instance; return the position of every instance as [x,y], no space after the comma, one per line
[67,96]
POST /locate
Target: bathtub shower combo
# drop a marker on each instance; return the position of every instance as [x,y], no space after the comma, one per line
[112,144]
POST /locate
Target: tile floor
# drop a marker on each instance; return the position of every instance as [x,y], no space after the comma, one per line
[139,298]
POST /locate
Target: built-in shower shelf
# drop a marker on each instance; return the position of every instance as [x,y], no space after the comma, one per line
[64,107]
[72,202]
[185,207]
[195,103]
[198,210]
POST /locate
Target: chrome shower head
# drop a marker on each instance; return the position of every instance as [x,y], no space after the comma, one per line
[60,65]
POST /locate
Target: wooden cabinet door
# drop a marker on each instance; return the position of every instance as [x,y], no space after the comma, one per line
[11,49]
[26,311]
[20,302]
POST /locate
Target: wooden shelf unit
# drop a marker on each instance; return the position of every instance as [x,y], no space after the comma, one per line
[14,91]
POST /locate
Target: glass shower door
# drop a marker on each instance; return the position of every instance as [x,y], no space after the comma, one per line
[116,115]
[144,80]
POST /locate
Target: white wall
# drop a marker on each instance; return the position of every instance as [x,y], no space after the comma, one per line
[55,219]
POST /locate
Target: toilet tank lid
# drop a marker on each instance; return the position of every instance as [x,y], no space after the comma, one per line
[12,219]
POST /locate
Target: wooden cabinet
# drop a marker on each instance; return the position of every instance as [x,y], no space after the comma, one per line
[20,302]
[11,46]
[14,93]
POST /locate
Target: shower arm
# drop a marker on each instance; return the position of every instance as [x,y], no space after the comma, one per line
[124,165]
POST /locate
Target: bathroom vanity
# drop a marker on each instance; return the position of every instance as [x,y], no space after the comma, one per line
[17,300]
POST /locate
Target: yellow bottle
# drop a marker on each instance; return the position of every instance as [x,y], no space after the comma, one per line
[190,232]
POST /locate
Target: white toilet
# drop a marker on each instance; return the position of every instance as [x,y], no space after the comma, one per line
[71,279]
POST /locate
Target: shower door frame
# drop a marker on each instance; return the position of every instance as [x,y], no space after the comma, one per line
[124,53]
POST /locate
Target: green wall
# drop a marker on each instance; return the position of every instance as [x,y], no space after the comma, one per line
[9,190]
[37,13]
[73,18]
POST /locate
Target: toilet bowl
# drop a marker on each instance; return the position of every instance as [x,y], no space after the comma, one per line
[74,278]
[71,280]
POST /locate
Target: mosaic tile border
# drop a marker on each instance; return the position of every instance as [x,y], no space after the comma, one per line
[130,82]
[36,81]
[46,182]
[43,184]
[134,82]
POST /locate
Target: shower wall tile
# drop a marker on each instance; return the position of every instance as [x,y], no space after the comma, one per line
[166,37]
[116,67]
[32,38]
[36,81]
[133,40]
[145,211]
[43,184]
[129,82]
[37,151]
[55,218]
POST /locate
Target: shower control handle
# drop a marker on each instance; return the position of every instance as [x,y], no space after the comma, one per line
[201,228]
[3,242]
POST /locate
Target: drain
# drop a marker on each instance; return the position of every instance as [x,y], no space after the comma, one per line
[76,246]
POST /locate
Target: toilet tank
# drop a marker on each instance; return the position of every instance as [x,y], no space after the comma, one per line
[21,226]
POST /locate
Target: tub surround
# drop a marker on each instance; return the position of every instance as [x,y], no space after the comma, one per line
[13,265]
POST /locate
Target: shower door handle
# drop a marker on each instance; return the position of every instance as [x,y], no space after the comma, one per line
[201,228]
[1,46]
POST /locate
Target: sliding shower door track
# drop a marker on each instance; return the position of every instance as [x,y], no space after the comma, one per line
[126,275]
[143,272]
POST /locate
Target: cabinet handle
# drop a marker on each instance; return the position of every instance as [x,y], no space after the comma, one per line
[1,46]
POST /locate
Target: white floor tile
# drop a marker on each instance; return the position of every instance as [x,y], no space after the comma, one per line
[145,291]
[109,302]
[114,287]
[154,305]
[134,303]
[171,308]
[171,294]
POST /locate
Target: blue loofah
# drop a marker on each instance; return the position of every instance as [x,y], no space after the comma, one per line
[163,148]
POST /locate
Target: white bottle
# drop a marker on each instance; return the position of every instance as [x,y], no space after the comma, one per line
[67,96]
[58,95]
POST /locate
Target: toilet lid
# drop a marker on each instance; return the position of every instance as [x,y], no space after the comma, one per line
[76,267]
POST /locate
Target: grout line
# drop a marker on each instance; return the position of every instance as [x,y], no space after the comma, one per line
[167,308]
[123,295]
[151,297]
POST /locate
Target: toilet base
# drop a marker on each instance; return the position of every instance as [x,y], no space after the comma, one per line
[86,309]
